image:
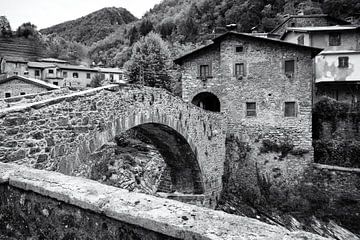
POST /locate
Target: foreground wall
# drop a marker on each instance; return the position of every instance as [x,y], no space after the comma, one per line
[41,204]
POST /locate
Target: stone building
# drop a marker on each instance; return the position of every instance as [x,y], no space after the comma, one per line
[314,20]
[265,88]
[19,85]
[338,66]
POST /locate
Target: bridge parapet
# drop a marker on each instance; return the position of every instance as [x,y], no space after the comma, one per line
[59,134]
[39,203]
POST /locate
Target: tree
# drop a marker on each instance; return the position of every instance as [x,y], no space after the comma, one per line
[133,35]
[26,30]
[97,80]
[150,62]
[146,26]
[5,28]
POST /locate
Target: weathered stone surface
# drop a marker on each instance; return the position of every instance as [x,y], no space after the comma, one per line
[68,129]
[167,217]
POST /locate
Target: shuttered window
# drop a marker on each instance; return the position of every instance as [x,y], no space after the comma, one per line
[204,71]
[290,109]
[343,62]
[334,39]
[251,109]
[239,69]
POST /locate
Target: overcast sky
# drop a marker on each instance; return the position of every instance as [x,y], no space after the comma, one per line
[45,13]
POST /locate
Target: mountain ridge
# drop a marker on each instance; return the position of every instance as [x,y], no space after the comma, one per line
[92,27]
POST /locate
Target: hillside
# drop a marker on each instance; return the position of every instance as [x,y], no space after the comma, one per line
[21,47]
[93,27]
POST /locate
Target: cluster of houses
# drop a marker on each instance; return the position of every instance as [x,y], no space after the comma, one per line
[19,76]
[335,70]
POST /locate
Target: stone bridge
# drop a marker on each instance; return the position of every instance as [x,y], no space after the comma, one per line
[59,134]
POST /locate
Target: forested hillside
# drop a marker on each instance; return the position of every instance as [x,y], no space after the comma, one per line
[93,27]
[186,22]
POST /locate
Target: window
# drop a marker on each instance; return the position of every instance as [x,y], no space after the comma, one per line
[251,109]
[239,49]
[290,110]
[292,24]
[111,77]
[37,73]
[88,75]
[16,73]
[26,73]
[239,69]
[334,39]
[22,93]
[7,95]
[204,71]
[65,74]
[343,62]
[75,75]
[56,83]
[289,68]
[301,39]
[51,71]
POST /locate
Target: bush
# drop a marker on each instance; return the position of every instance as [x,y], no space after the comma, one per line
[97,80]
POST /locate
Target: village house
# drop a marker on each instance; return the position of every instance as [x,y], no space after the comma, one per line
[112,75]
[338,66]
[19,85]
[264,86]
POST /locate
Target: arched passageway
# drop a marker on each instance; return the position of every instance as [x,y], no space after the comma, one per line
[182,166]
[207,101]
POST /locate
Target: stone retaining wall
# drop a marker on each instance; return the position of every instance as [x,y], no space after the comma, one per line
[37,203]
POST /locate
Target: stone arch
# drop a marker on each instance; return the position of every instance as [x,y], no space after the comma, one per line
[207,101]
[181,160]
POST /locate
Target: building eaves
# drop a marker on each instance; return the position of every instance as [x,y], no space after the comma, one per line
[77,68]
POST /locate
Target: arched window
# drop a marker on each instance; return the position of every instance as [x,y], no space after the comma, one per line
[207,101]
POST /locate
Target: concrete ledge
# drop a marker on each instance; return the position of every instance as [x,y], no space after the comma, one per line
[336,168]
[164,216]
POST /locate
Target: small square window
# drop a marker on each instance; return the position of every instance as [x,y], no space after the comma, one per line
[7,95]
[26,73]
[239,49]
[290,110]
[51,71]
[343,62]
[75,75]
[239,69]
[334,39]
[37,73]
[204,71]
[56,83]
[88,75]
[65,74]
[22,93]
[251,109]
[16,73]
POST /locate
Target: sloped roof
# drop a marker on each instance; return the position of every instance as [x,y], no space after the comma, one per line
[52,60]
[40,65]
[218,39]
[15,59]
[110,70]
[324,28]
[34,81]
[339,21]
[75,67]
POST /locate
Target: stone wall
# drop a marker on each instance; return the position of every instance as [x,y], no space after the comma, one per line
[59,134]
[16,87]
[39,204]
[32,97]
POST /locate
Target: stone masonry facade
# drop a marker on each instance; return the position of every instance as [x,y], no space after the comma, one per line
[59,134]
[266,84]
